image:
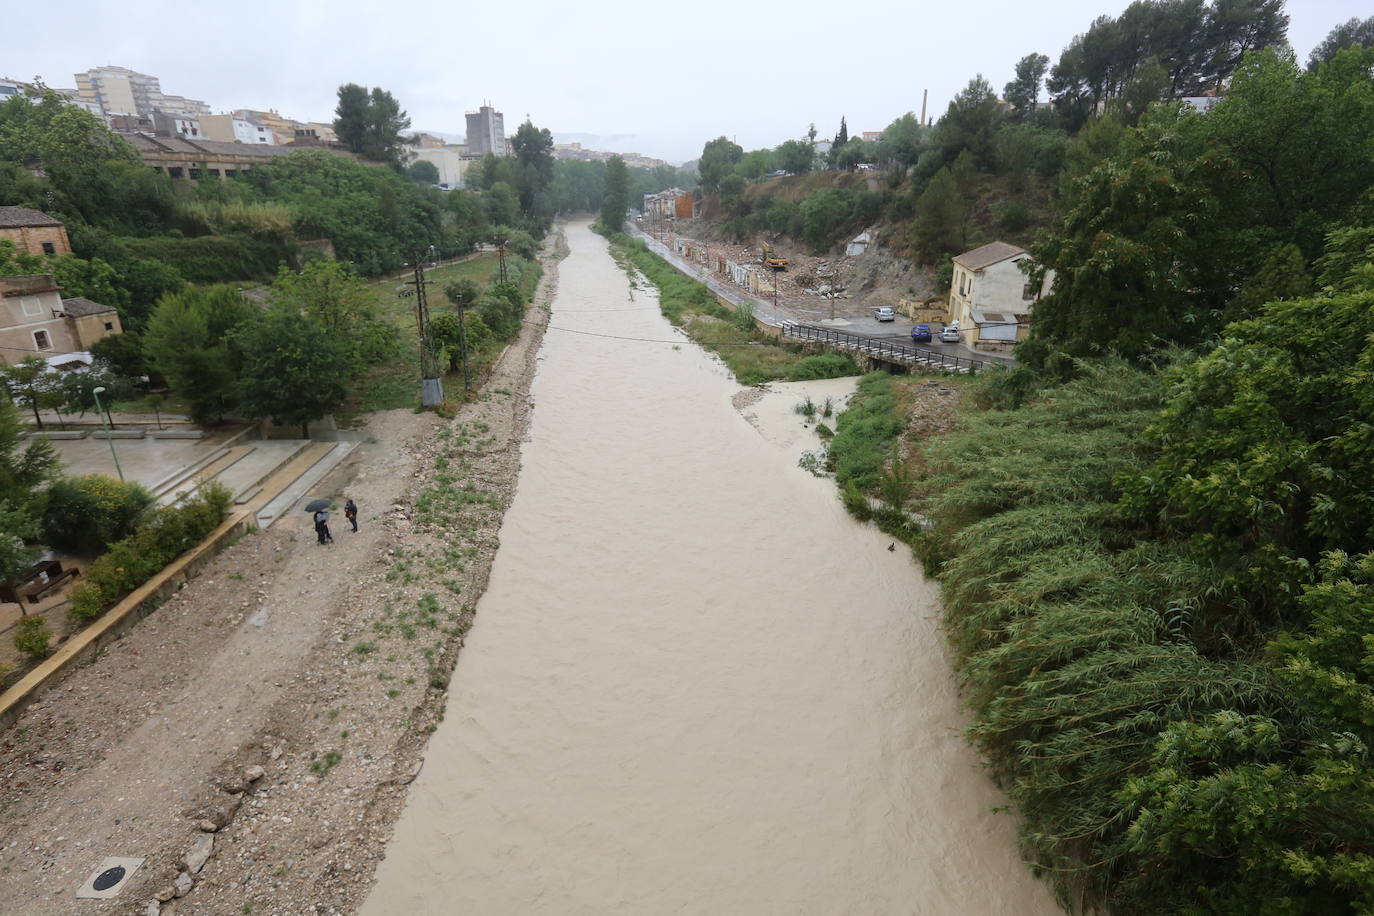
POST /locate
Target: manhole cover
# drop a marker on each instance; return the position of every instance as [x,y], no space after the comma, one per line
[108,878]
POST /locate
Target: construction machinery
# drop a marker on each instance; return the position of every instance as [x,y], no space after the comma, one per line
[772,259]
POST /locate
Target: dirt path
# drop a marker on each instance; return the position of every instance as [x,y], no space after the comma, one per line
[324,666]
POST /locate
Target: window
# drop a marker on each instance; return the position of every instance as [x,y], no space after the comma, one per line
[41,341]
[49,248]
[1028,291]
[109,325]
[32,305]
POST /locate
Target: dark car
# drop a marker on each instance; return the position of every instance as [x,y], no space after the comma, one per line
[921,333]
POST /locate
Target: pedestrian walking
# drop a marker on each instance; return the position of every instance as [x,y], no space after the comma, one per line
[351,513]
[322,527]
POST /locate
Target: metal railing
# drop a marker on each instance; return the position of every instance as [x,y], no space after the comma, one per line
[886,350]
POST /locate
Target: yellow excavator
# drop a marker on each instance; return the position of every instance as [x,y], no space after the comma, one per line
[772,259]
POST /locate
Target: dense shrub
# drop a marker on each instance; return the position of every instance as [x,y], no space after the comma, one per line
[864,433]
[162,536]
[216,259]
[87,514]
[823,365]
[31,636]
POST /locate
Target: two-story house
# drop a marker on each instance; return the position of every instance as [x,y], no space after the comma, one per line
[36,321]
[991,296]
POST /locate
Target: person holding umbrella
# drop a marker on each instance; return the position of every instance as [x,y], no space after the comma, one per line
[319,507]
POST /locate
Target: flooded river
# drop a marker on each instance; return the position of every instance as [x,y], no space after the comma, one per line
[694,685]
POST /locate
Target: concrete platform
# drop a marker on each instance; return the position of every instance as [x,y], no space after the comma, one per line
[145,461]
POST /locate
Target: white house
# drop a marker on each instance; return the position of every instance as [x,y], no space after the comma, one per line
[991,296]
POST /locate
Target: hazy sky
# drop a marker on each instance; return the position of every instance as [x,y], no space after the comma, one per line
[656,78]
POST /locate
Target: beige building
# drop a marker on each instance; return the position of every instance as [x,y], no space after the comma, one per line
[36,321]
[34,232]
[121,91]
[991,297]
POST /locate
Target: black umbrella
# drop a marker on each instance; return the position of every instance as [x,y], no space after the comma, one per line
[318,505]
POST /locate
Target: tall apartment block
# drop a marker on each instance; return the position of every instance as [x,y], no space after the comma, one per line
[486,132]
[121,91]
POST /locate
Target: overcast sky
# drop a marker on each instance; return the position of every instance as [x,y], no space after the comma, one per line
[651,77]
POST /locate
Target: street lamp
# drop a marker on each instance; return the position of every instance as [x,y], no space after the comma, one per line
[103,425]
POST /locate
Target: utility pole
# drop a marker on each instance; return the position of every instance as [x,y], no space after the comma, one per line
[431,385]
[501,254]
[463,343]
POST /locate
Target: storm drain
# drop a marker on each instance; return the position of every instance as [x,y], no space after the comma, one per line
[108,879]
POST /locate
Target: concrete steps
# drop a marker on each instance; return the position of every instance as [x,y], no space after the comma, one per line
[220,462]
[284,489]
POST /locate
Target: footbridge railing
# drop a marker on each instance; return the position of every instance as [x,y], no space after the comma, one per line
[889,351]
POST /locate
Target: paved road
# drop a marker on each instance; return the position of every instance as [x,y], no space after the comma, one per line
[858,322]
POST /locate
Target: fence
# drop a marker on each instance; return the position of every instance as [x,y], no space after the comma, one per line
[886,350]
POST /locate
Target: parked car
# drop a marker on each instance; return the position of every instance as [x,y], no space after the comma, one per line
[884,313]
[921,333]
[950,333]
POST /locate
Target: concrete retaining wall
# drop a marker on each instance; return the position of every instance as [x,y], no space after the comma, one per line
[82,647]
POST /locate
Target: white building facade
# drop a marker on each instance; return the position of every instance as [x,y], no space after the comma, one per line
[992,294]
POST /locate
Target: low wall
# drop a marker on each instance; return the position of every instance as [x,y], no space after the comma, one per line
[82,647]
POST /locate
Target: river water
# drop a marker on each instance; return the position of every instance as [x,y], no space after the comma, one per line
[694,684]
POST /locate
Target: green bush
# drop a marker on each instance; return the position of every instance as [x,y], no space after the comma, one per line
[823,365]
[216,259]
[162,536]
[86,514]
[31,636]
[864,435]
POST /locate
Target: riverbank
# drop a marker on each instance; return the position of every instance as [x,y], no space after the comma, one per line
[276,708]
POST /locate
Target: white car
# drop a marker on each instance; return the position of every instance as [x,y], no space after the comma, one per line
[950,333]
[884,313]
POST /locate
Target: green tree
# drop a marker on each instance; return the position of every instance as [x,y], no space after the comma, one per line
[422,171]
[1023,92]
[26,381]
[294,370]
[17,530]
[968,123]
[718,159]
[616,199]
[347,308]
[371,123]
[824,216]
[351,116]
[25,470]
[903,141]
[192,340]
[732,195]
[941,219]
[1352,33]
[796,156]
[502,205]
[121,354]
[533,147]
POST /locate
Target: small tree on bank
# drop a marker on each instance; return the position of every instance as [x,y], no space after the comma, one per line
[294,370]
[617,198]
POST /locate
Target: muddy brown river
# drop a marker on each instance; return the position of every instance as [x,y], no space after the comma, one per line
[695,685]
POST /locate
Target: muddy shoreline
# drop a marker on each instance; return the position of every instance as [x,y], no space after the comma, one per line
[274,711]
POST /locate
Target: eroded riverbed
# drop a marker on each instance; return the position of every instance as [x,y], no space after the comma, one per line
[694,684]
